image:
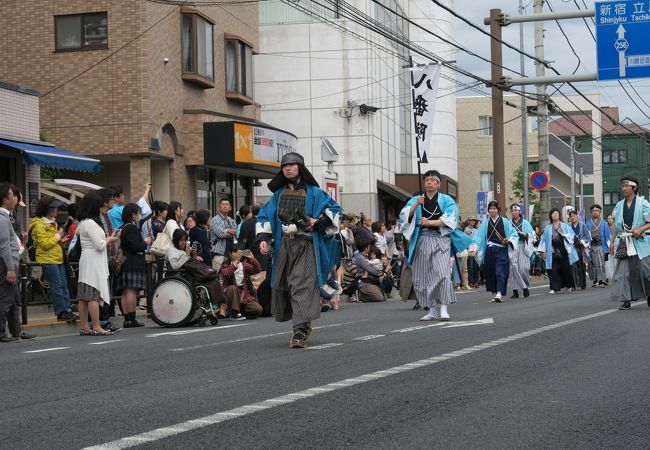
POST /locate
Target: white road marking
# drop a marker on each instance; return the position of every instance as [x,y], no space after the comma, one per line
[107,342]
[322,346]
[195,330]
[419,327]
[201,422]
[53,349]
[454,324]
[470,323]
[369,337]
[250,338]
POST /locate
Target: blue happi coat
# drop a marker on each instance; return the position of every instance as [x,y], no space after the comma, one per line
[317,203]
[459,240]
[546,244]
[605,234]
[585,238]
[481,238]
[641,217]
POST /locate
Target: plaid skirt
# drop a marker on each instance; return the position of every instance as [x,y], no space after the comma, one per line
[132,280]
[88,293]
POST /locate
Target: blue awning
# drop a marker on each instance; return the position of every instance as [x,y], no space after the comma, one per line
[46,156]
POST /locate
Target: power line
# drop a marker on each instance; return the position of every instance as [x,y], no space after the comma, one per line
[446,41]
[473,25]
[488,128]
[557,22]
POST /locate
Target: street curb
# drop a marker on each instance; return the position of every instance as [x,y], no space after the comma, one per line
[57,328]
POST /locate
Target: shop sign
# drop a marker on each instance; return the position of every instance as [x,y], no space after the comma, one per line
[260,145]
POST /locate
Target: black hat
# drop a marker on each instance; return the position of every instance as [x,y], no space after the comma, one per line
[280,181]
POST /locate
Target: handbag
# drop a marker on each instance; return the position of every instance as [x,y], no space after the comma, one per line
[161,244]
[621,249]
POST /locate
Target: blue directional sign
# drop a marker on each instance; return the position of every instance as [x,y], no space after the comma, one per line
[622,39]
[482,199]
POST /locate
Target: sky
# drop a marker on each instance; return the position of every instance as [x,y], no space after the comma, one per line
[557,50]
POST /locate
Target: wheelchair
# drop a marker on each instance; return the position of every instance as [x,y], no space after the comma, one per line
[176,301]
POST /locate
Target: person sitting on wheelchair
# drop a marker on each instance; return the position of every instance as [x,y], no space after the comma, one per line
[183,258]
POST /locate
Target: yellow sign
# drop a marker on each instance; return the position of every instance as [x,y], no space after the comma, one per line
[261,145]
[244,149]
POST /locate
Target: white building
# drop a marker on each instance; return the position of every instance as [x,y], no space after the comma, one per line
[314,78]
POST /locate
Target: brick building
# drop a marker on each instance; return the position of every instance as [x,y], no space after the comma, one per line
[132,83]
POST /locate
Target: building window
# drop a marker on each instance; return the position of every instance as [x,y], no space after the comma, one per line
[588,189]
[81,31]
[611,198]
[615,156]
[487,181]
[485,125]
[239,70]
[197,45]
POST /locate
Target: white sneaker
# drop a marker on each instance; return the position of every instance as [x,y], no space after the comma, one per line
[238,317]
[552,292]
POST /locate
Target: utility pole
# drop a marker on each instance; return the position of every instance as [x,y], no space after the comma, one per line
[524,119]
[582,198]
[542,113]
[498,159]
[573,172]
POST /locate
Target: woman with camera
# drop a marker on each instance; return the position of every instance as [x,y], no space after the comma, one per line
[236,275]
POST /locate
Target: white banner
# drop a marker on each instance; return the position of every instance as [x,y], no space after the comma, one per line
[425,87]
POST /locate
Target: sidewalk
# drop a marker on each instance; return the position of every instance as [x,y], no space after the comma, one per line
[42,322]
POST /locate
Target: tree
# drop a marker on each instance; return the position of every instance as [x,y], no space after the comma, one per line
[517,184]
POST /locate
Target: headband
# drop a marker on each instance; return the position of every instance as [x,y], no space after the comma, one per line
[515,208]
[631,183]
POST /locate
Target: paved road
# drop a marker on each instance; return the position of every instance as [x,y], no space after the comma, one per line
[563,371]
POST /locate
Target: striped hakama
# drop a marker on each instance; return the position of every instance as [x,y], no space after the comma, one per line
[431,274]
[630,279]
[597,263]
[296,295]
[520,269]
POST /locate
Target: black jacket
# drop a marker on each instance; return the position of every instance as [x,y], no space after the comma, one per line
[200,235]
[133,248]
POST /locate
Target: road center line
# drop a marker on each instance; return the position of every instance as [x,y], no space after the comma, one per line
[106,342]
[201,422]
[195,330]
[53,349]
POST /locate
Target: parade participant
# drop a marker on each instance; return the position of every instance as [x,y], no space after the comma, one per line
[429,222]
[520,259]
[496,239]
[610,261]
[559,252]
[629,245]
[599,249]
[581,243]
[302,220]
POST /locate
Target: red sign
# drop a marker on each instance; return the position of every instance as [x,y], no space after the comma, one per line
[331,188]
[538,180]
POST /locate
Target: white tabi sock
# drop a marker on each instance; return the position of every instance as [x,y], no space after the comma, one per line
[443,311]
[433,311]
